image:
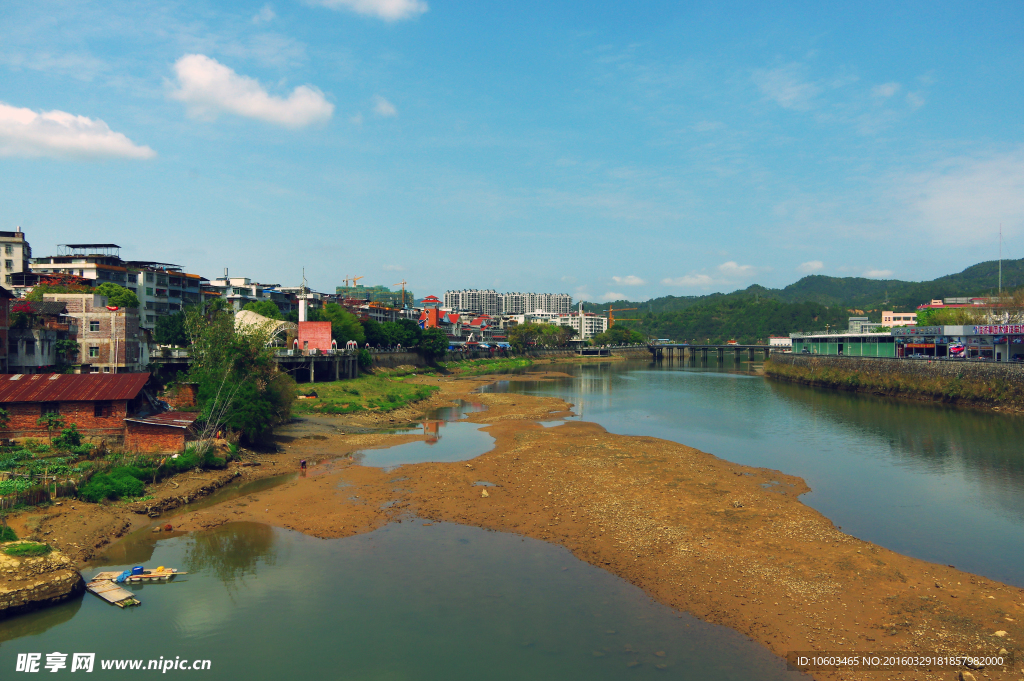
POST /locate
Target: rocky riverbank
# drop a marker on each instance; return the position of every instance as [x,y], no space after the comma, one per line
[990,386]
[31,582]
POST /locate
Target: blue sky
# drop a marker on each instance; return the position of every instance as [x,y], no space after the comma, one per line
[604,149]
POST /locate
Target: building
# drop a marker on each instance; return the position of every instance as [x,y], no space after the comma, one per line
[891,319]
[585,324]
[96,404]
[166,432]
[5,309]
[492,303]
[162,288]
[852,345]
[17,254]
[240,291]
[780,343]
[33,345]
[376,294]
[109,340]
[862,325]
[315,337]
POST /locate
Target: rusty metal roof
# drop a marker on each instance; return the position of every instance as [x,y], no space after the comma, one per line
[173,419]
[70,387]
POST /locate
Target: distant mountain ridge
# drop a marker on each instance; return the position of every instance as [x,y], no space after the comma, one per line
[850,292]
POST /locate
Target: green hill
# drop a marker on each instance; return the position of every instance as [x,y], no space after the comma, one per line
[755,313]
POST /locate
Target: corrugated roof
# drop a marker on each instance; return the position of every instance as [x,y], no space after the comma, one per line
[173,419]
[70,387]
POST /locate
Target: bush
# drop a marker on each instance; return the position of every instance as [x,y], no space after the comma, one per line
[68,438]
[120,482]
[365,359]
[7,534]
[28,549]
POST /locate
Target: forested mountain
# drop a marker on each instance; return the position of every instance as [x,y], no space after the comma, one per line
[755,313]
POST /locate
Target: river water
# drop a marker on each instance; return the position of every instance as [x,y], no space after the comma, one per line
[438,601]
[941,483]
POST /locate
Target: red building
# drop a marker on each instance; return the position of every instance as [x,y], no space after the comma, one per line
[97,403]
[314,336]
[166,432]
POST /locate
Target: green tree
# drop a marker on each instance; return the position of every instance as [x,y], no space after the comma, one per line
[618,335]
[265,308]
[170,330]
[52,420]
[523,336]
[117,295]
[5,419]
[239,385]
[404,332]
[374,333]
[345,326]
[433,343]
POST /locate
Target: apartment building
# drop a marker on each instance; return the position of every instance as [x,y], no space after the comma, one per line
[493,303]
[585,324]
[162,288]
[109,341]
[239,291]
[17,254]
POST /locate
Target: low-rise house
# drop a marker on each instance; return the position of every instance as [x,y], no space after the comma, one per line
[109,340]
[34,343]
[167,432]
[97,404]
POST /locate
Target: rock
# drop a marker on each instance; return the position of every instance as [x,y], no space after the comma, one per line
[158,529]
[484,494]
[737,504]
[167,527]
[1000,633]
[1003,651]
[660,653]
[966,676]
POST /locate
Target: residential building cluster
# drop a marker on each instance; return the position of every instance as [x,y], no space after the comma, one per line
[492,303]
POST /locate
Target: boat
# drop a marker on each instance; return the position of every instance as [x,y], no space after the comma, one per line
[160,574]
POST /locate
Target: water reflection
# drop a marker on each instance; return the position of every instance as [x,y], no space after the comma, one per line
[36,623]
[446,438]
[408,601]
[936,482]
[232,551]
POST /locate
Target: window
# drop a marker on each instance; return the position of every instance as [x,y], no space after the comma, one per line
[150,318]
[9,249]
[49,408]
[94,326]
[94,351]
[149,276]
[9,264]
[12,347]
[30,347]
[106,370]
[102,409]
[149,290]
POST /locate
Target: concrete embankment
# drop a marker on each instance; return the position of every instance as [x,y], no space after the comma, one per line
[30,582]
[391,360]
[984,384]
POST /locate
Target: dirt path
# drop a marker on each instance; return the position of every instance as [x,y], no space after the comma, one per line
[728,543]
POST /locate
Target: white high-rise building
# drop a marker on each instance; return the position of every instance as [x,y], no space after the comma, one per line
[493,303]
[16,256]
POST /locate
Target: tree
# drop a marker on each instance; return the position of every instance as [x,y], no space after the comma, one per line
[404,332]
[618,335]
[239,384]
[374,333]
[170,330]
[117,295]
[265,308]
[52,420]
[5,418]
[522,336]
[433,343]
[345,326]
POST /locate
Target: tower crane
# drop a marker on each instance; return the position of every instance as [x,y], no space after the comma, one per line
[402,284]
[351,279]
[611,316]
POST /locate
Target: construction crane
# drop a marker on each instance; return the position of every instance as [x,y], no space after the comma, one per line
[351,279]
[611,316]
[402,284]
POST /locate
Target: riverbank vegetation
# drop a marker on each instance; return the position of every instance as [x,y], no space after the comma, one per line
[952,388]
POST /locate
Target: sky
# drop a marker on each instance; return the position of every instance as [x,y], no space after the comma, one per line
[603,149]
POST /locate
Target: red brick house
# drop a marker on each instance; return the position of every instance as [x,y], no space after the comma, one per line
[97,403]
[166,432]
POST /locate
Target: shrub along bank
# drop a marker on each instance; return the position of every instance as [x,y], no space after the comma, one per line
[961,382]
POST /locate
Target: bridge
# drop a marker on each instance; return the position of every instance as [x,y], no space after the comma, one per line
[680,350]
[304,366]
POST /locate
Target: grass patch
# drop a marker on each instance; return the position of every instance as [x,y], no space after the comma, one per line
[381,392]
[480,367]
[7,534]
[28,549]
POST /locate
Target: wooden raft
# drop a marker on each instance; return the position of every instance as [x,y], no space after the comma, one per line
[103,585]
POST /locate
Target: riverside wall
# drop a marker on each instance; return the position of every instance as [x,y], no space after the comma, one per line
[390,360]
[982,384]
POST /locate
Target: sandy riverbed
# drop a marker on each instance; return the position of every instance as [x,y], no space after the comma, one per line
[728,543]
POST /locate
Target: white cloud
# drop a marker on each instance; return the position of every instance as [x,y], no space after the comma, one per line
[885,90]
[963,199]
[810,266]
[877,274]
[208,88]
[265,15]
[24,132]
[915,100]
[383,107]
[692,279]
[734,270]
[631,280]
[356,120]
[611,295]
[393,268]
[389,10]
[786,86]
[568,279]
